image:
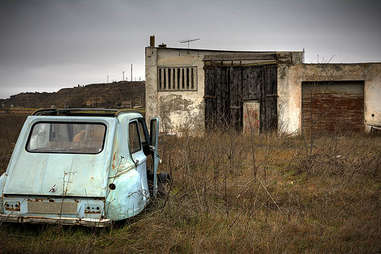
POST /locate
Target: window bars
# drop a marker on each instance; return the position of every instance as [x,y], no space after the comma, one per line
[177,78]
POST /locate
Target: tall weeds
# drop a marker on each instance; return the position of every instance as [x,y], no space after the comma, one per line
[296,200]
[235,193]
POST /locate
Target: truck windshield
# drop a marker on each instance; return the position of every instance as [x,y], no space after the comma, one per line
[62,137]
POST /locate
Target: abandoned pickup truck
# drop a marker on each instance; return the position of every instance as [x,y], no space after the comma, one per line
[80,167]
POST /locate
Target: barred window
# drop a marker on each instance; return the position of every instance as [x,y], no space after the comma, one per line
[177,78]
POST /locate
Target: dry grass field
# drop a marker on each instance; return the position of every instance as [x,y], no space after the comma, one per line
[231,193]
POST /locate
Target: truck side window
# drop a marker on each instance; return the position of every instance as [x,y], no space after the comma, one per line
[142,133]
[133,137]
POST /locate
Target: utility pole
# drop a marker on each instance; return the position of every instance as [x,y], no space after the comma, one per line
[123,76]
[131,71]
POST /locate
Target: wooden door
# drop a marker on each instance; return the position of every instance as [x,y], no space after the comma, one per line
[227,88]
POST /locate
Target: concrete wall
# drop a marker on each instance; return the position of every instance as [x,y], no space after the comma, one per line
[177,109]
[186,109]
[290,80]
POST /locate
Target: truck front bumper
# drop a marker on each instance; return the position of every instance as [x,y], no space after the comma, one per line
[88,222]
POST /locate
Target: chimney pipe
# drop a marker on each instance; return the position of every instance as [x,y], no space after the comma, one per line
[152,41]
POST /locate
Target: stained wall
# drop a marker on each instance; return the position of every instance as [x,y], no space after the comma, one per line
[290,78]
[177,109]
[180,110]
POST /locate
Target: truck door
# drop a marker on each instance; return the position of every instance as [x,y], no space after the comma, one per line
[154,142]
[135,143]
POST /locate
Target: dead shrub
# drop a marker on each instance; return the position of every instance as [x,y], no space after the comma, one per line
[346,156]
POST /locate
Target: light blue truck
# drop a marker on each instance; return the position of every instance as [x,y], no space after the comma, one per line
[80,166]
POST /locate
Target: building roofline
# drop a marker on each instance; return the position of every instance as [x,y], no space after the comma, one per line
[227,51]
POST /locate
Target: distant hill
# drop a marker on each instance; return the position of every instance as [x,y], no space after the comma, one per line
[122,94]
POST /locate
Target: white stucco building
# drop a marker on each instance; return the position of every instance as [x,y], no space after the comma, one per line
[197,89]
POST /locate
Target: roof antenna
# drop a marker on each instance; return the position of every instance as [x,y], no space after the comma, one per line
[188,41]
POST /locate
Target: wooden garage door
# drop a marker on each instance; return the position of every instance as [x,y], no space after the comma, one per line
[227,88]
[332,106]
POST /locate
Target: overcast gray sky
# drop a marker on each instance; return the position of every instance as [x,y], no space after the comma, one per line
[51,44]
